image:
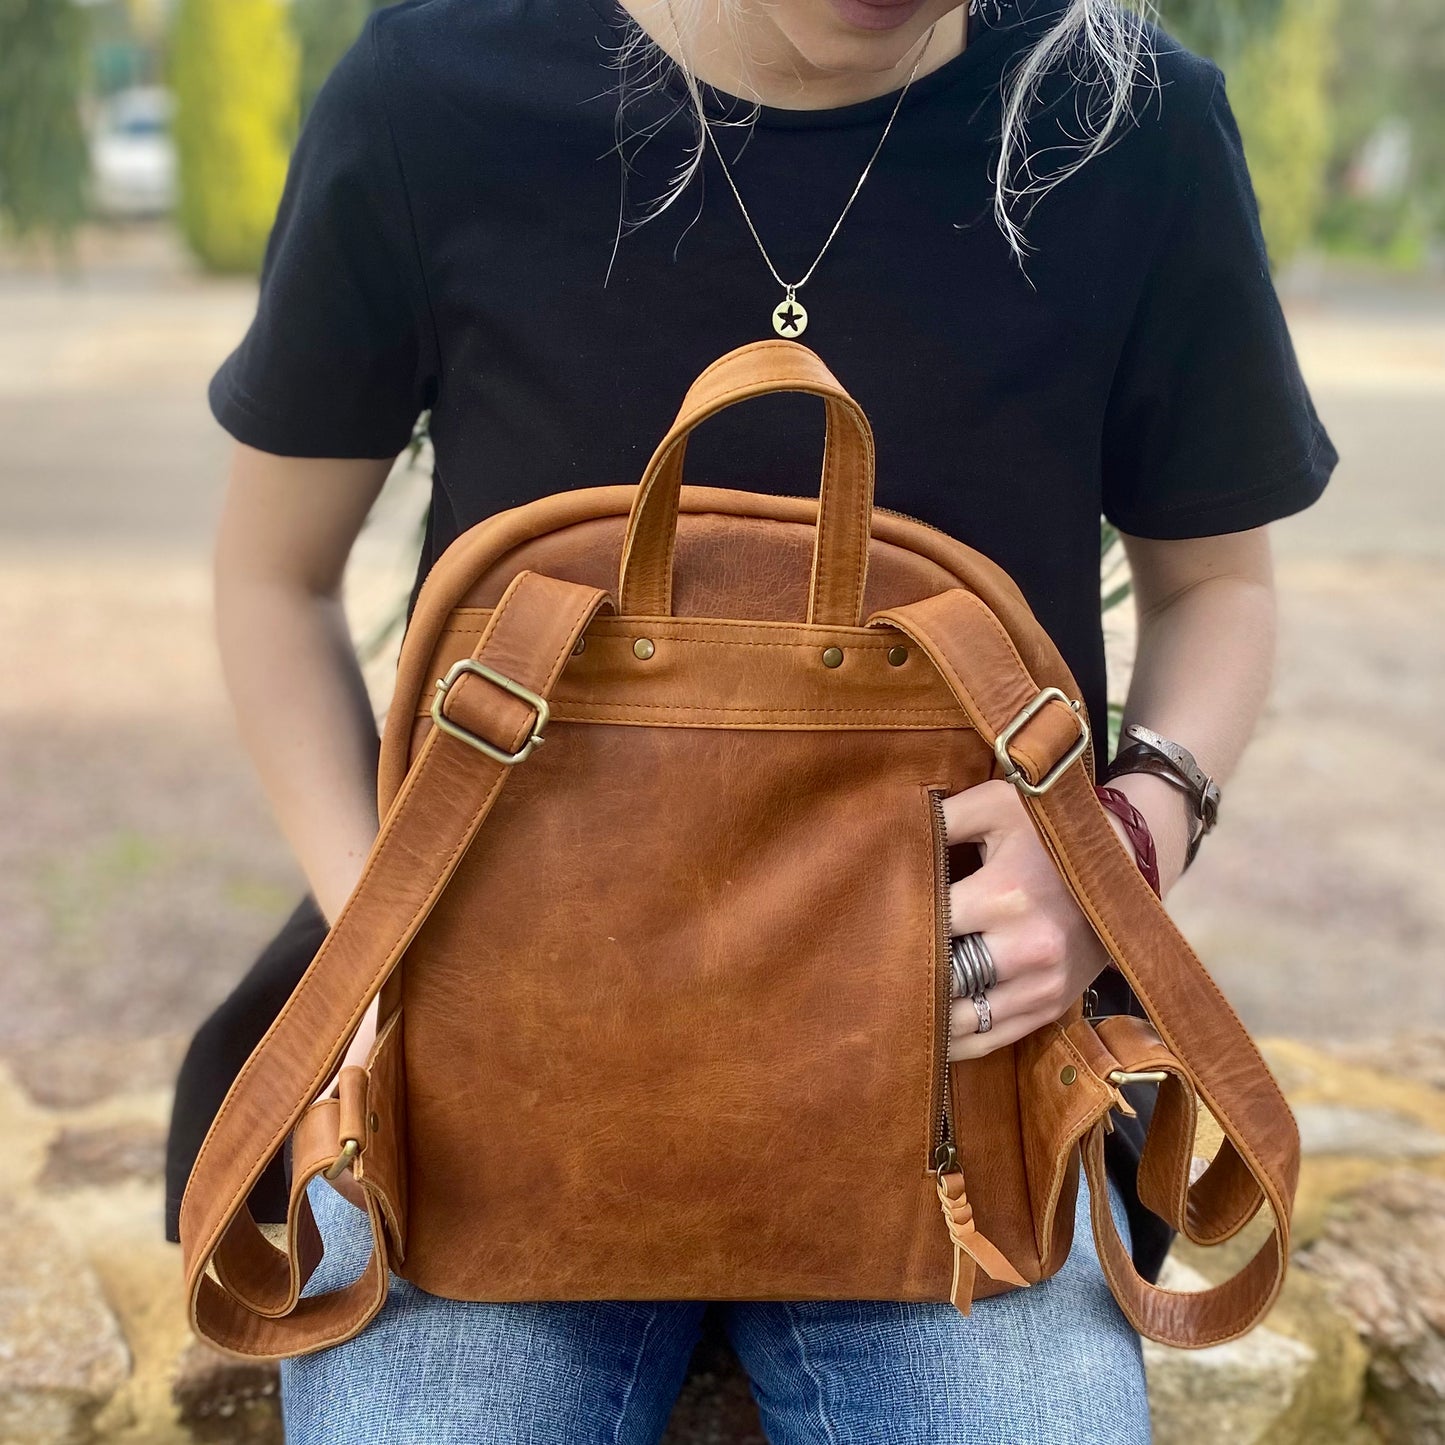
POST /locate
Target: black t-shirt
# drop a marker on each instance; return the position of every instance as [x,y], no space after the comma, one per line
[448,239]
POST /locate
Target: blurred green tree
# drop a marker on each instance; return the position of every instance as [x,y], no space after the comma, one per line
[1280,86]
[44,165]
[234,69]
[1395,76]
[1279,56]
[1220,29]
[325,29]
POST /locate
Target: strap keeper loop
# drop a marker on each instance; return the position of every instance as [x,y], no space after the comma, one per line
[1015,774]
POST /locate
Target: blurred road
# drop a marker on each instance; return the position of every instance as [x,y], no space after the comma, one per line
[139,867]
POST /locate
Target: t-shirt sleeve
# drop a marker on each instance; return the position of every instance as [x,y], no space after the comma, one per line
[1209,426]
[339,358]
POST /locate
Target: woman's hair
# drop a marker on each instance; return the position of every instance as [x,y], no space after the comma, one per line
[1102,44]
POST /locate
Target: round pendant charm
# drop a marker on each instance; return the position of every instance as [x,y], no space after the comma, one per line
[789,318]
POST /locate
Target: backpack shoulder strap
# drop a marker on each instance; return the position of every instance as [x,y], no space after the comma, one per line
[1202,1047]
[244,1292]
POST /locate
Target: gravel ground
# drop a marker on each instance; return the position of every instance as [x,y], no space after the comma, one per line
[139,866]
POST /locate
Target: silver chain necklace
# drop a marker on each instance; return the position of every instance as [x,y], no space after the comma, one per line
[789,316]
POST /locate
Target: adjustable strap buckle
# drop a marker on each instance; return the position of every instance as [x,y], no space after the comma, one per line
[1012,772]
[470,664]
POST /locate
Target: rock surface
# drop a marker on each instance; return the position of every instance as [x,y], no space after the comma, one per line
[1298,1380]
[1382,1257]
[225,1401]
[73,1072]
[1373,1133]
[1415,1053]
[1236,1392]
[62,1355]
[80,1158]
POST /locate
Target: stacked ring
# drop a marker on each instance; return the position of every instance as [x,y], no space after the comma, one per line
[973,965]
[973,975]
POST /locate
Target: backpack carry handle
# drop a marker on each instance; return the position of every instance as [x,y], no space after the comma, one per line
[845,507]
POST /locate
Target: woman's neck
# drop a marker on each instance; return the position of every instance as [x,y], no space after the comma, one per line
[794,66]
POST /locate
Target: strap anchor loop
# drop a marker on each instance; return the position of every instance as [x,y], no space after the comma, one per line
[350,1148]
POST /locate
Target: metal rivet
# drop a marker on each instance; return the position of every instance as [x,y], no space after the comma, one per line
[897,656]
[581,646]
[832,657]
[375,1123]
[1068,1074]
[643,648]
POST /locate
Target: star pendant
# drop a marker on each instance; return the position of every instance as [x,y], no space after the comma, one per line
[789,318]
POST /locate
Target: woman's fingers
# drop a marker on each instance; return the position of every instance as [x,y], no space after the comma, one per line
[988,902]
[1011,1014]
[980,813]
[1019,933]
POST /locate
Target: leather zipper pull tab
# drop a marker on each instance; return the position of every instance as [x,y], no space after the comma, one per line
[968,1244]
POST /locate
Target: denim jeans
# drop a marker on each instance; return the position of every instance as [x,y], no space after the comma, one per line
[1054,1364]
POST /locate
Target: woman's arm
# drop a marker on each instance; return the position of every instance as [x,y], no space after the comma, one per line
[1203,666]
[286,529]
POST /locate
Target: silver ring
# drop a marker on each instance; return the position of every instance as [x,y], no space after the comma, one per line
[961,965]
[959,982]
[985,1014]
[972,965]
[987,970]
[967,977]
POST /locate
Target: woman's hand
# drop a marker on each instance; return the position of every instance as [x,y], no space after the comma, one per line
[1044,949]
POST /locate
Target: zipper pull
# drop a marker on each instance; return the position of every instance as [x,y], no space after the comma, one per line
[968,1244]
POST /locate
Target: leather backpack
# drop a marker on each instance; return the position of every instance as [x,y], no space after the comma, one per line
[658,916]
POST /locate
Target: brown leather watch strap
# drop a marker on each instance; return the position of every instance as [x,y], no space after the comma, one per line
[1209,1053]
[249,1305]
[1181,772]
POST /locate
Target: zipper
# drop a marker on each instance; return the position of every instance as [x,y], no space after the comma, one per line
[891,511]
[972,1250]
[945,1154]
[909,517]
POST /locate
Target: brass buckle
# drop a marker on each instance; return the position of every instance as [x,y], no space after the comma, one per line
[470,664]
[350,1148]
[1013,773]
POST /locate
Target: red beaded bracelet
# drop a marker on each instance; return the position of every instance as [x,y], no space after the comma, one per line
[1138,830]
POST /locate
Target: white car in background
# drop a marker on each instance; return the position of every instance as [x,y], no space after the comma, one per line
[132,156]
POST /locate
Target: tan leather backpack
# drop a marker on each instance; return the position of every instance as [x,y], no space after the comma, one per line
[658,914]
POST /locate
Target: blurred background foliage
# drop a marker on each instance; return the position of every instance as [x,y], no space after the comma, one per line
[235,70]
[324,29]
[1386,185]
[1341,103]
[1278,57]
[43,161]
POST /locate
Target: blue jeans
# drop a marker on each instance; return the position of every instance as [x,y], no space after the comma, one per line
[1054,1364]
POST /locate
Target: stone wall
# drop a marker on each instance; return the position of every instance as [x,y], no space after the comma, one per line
[94,1346]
